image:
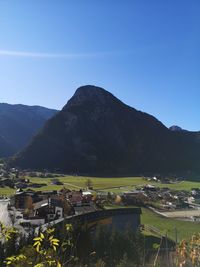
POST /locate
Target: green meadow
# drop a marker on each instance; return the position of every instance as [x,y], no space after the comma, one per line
[118,184]
[168,226]
[115,185]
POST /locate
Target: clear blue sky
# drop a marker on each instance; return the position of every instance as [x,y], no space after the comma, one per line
[146,52]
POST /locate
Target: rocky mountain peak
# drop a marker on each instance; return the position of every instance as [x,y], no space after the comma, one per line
[91,93]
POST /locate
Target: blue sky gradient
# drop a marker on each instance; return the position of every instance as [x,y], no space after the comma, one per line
[145,52]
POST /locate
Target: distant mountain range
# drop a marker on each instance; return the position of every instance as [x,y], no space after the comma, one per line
[96,134]
[18,125]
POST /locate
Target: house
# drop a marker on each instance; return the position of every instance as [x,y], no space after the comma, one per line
[35,185]
[23,180]
[19,200]
[149,187]
[136,197]
[21,185]
[75,197]
[6,182]
[87,197]
[50,209]
[56,182]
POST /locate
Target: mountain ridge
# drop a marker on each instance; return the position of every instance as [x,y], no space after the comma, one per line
[18,124]
[97,134]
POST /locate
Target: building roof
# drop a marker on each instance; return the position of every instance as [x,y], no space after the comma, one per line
[86,193]
[46,202]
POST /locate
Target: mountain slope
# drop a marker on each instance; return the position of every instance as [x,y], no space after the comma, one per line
[96,134]
[18,124]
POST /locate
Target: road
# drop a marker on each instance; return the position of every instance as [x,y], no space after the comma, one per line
[72,185]
[181,213]
[4,215]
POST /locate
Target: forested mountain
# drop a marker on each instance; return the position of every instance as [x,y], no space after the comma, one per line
[97,134]
[18,124]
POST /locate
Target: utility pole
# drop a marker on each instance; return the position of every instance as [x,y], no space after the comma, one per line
[144,252]
[167,252]
[176,235]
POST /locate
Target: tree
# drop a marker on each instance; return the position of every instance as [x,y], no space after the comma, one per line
[89,184]
[47,250]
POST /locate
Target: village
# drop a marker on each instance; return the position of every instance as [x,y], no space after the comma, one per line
[29,208]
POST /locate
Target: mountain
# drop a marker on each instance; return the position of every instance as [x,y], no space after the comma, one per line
[176,128]
[96,134]
[18,124]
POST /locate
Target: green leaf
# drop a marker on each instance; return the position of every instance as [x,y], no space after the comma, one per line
[156,246]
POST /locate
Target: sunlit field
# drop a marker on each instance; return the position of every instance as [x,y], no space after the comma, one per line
[115,185]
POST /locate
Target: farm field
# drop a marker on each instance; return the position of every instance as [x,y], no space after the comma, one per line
[167,226]
[115,185]
[6,191]
[78,182]
[98,183]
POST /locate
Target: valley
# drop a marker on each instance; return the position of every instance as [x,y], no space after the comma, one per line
[99,161]
[118,186]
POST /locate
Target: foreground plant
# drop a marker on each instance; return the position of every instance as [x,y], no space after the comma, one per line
[188,253]
[45,251]
[6,233]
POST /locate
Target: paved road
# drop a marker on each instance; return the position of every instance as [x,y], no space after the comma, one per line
[182,213]
[4,215]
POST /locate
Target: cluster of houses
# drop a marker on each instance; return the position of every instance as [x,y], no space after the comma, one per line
[12,178]
[162,198]
[19,183]
[40,207]
[34,208]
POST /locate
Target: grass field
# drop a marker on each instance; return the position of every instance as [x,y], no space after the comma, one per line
[98,183]
[6,191]
[184,229]
[112,184]
[115,185]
